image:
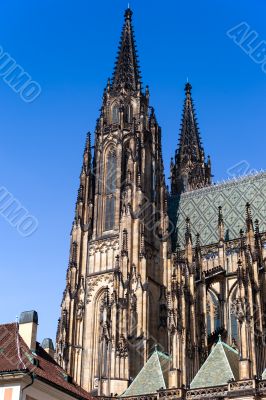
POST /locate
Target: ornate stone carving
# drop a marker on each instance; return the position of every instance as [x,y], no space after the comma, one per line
[94,281]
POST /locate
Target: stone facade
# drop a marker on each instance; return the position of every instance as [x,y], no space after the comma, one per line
[139,273]
[245,389]
[115,273]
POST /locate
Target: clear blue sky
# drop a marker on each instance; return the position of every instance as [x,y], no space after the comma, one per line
[69,47]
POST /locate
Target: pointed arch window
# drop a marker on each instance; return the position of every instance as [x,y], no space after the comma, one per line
[128,113]
[115,114]
[213,313]
[110,188]
[110,185]
[233,318]
[102,318]
[109,213]
[234,328]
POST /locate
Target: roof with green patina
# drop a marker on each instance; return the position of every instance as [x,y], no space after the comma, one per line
[220,367]
[152,377]
[201,206]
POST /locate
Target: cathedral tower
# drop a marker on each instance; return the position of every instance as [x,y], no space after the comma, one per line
[132,286]
[113,306]
[189,169]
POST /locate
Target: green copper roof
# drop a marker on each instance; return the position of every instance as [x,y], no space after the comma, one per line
[220,367]
[152,377]
[201,206]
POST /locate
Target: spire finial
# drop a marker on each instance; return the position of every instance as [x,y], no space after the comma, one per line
[128,13]
[188,87]
[257,226]
[220,215]
[126,75]
[188,225]
[188,230]
[197,240]
[248,212]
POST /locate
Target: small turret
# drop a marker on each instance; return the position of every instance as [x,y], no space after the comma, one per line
[250,228]
[220,224]
[188,241]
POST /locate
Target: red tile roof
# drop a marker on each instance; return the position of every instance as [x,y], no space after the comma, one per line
[15,356]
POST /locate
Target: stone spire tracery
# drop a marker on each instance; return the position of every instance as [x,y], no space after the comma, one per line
[123,210]
[189,169]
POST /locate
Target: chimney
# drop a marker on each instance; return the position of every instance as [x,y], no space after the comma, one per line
[28,322]
[48,346]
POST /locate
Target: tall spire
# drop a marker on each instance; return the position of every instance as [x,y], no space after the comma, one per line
[189,171]
[126,72]
[189,142]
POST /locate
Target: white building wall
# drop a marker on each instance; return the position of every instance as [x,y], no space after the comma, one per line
[9,392]
[41,391]
[38,391]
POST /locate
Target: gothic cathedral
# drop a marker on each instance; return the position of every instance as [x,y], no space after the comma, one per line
[152,272]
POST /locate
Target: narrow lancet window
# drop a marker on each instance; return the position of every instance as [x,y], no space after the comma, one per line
[128,113]
[233,318]
[213,313]
[110,187]
[115,114]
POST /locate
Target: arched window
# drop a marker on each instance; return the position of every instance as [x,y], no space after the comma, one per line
[233,317]
[101,334]
[115,114]
[109,213]
[110,187]
[110,184]
[234,327]
[209,322]
[128,113]
[216,312]
[213,313]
